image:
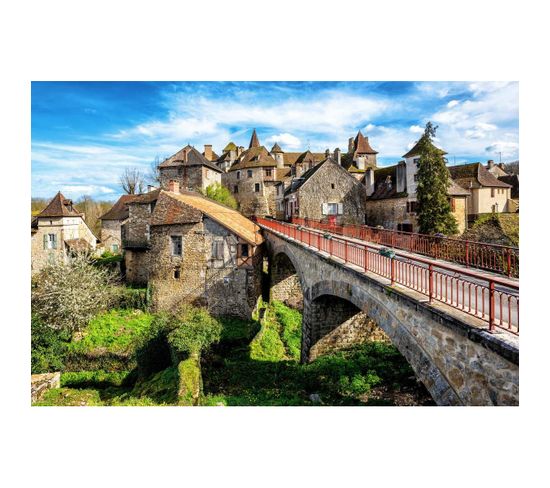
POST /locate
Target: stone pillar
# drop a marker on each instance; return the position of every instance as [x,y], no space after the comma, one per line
[369,181]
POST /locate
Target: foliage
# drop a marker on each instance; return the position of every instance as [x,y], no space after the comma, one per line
[235,330]
[108,258]
[67,295]
[92,210]
[132,181]
[221,194]
[133,298]
[70,398]
[48,347]
[291,324]
[193,330]
[93,379]
[267,345]
[433,207]
[189,381]
[162,387]
[115,331]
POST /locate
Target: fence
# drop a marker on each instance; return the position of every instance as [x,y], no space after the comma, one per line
[491,257]
[491,299]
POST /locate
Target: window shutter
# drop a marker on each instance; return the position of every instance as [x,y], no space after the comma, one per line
[45,241]
[325,208]
[54,241]
[340,209]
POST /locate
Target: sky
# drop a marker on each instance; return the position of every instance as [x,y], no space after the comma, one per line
[84,134]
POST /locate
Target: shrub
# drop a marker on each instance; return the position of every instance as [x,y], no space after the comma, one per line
[48,347]
[291,324]
[67,295]
[221,194]
[133,298]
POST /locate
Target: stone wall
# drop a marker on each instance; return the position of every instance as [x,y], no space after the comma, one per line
[460,213]
[189,177]
[110,234]
[285,283]
[252,203]
[137,225]
[136,266]
[332,184]
[459,362]
[41,383]
[389,212]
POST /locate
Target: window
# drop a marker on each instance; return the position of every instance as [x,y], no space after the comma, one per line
[333,208]
[238,175]
[268,172]
[217,250]
[411,207]
[114,248]
[332,185]
[176,245]
[50,241]
[177,273]
[249,173]
[244,250]
[492,192]
[235,189]
[416,161]
[147,232]
[256,187]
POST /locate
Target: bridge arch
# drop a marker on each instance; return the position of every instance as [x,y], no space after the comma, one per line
[286,279]
[330,305]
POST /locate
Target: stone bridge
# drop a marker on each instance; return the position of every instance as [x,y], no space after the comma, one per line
[458,360]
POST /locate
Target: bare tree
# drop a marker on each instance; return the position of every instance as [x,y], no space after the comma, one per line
[132,181]
[154,174]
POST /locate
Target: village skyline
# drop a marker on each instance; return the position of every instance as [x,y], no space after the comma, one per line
[85,134]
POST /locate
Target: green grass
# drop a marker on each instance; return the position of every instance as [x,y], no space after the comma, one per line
[93,379]
[291,328]
[115,331]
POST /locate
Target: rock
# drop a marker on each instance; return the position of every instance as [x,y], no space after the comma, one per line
[40,383]
[316,399]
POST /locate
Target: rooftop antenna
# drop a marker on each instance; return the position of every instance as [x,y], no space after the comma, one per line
[308,145]
[500,157]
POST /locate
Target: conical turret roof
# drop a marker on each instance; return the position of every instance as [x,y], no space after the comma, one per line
[254,141]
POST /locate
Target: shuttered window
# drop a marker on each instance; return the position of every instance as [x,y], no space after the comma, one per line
[217,250]
[176,245]
[50,241]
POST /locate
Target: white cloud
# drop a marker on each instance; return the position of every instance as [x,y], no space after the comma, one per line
[452,103]
[80,190]
[507,149]
[416,129]
[480,130]
[285,140]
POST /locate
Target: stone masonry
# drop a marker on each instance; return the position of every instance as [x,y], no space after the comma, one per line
[459,363]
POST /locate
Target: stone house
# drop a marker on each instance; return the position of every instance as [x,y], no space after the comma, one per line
[390,205]
[487,193]
[252,174]
[326,191]
[497,170]
[58,231]
[191,169]
[112,222]
[190,249]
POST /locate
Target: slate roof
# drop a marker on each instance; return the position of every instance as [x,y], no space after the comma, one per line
[276,148]
[254,141]
[293,157]
[188,156]
[225,216]
[59,206]
[78,244]
[355,169]
[476,173]
[298,182]
[255,157]
[381,188]
[415,150]
[119,211]
[362,145]
[230,147]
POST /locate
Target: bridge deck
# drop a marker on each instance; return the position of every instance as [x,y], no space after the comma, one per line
[484,298]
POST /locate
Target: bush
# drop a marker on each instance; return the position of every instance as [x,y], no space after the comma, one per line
[291,324]
[133,298]
[67,295]
[48,347]
[193,330]
[221,194]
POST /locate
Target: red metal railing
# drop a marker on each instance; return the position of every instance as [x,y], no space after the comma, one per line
[491,299]
[491,257]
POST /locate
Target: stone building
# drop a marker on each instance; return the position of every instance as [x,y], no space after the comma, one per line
[112,222]
[390,205]
[326,191]
[58,231]
[252,174]
[359,157]
[190,249]
[191,169]
[488,193]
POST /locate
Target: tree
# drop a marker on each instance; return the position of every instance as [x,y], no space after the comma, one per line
[132,181]
[67,294]
[221,194]
[433,207]
[92,210]
[153,177]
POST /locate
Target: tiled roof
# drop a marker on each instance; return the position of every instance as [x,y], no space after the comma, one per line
[230,147]
[381,187]
[254,141]
[416,148]
[147,197]
[214,156]
[59,207]
[119,211]
[298,182]
[276,148]
[256,157]
[475,172]
[78,244]
[281,173]
[188,156]
[455,190]
[354,169]
[362,145]
[225,216]
[292,157]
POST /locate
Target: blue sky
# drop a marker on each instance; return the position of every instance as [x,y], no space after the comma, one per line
[85,133]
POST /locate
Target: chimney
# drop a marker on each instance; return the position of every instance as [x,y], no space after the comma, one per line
[240,150]
[369,181]
[338,156]
[501,165]
[208,151]
[490,164]
[401,177]
[351,145]
[327,153]
[174,186]
[151,188]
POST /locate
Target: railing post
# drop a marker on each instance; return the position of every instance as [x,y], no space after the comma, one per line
[509,257]
[491,306]
[467,254]
[366,258]
[345,251]
[392,271]
[430,282]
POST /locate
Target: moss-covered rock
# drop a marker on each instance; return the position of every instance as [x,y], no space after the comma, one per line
[189,381]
